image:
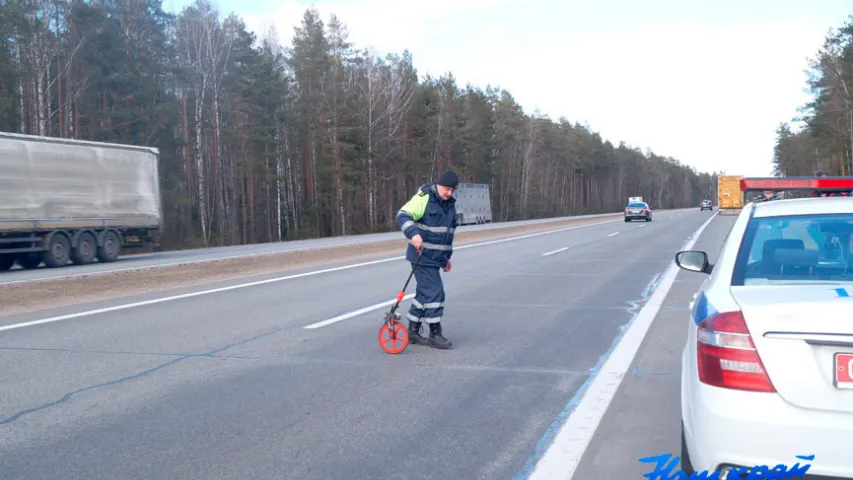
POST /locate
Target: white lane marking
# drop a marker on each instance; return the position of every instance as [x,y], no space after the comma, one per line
[356,312]
[391,302]
[354,243]
[531,235]
[641,226]
[187,295]
[155,266]
[273,252]
[563,455]
[272,280]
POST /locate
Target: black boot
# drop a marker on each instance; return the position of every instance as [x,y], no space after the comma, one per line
[435,338]
[415,337]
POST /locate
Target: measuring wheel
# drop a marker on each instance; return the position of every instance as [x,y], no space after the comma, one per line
[393,336]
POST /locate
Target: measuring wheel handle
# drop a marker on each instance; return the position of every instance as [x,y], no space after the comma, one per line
[393,336]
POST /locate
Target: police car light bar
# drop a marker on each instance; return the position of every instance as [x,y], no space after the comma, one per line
[796,183]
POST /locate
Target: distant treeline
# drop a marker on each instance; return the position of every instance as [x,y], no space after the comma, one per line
[261,142]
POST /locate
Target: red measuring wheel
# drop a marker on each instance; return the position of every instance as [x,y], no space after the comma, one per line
[393,337]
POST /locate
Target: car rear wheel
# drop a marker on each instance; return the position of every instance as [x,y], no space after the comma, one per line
[685,455]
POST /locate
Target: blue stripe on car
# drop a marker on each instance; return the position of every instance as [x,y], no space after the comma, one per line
[702,309]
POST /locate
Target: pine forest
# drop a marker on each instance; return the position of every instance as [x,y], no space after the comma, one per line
[824,140]
[264,139]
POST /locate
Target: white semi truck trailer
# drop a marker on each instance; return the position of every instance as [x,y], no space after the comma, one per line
[75,201]
[473,204]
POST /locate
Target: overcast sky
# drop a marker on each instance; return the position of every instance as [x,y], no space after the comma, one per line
[706,82]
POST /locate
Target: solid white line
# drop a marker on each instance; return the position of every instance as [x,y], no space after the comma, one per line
[146,267]
[563,455]
[356,313]
[613,234]
[531,235]
[355,243]
[555,251]
[188,295]
[273,280]
[274,252]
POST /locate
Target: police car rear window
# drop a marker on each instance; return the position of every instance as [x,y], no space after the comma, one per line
[636,205]
[796,249]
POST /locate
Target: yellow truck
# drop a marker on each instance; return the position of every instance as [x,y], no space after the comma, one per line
[729,194]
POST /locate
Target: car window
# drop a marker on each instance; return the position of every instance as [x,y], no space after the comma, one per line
[636,205]
[795,249]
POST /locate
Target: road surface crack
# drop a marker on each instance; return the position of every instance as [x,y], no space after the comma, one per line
[68,396]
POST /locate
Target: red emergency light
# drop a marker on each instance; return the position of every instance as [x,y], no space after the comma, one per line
[797,183]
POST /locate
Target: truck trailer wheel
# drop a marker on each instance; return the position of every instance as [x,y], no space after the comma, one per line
[86,249]
[109,251]
[58,251]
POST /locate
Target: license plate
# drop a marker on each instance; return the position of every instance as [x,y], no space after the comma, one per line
[843,373]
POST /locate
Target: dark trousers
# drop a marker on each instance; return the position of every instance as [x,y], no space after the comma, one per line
[428,304]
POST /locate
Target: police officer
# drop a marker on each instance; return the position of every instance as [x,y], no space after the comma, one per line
[428,220]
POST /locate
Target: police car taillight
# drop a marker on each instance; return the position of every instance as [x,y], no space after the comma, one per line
[797,183]
[727,357]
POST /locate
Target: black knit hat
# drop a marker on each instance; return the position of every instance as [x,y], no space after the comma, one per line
[448,179]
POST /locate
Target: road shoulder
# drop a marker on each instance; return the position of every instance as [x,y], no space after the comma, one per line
[643,418]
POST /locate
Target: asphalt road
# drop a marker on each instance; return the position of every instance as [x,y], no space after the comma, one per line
[160,259]
[644,417]
[231,384]
[127,262]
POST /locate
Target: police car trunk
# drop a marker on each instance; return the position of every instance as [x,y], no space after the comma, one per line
[794,285]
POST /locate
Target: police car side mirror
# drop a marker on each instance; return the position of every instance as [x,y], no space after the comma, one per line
[694,261]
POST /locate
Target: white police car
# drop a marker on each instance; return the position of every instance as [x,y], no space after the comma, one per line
[767,369]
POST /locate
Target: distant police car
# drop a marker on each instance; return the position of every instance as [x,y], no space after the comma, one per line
[766,370]
[706,205]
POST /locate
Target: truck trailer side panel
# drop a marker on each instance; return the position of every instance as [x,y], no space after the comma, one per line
[57,182]
[473,204]
[729,194]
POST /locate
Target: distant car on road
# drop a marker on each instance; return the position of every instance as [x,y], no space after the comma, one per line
[766,368]
[639,210]
[706,205]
